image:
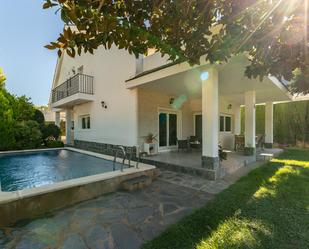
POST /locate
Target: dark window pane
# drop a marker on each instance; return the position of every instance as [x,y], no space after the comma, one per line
[162,129]
[221,123]
[88,122]
[83,123]
[228,126]
[172,129]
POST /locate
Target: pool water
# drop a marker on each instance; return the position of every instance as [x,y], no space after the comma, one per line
[20,171]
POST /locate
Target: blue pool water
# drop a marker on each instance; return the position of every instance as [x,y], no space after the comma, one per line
[20,171]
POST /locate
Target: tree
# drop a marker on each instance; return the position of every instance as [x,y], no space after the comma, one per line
[273,33]
[38,116]
[50,132]
[27,135]
[2,78]
[6,117]
[17,131]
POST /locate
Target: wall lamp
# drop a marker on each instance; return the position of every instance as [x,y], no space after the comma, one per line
[103,104]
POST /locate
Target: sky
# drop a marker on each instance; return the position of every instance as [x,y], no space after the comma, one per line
[24,30]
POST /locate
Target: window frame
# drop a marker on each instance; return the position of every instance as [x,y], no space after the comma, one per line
[225,116]
[85,122]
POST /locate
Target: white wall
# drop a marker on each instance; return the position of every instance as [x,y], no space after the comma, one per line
[153,61]
[110,68]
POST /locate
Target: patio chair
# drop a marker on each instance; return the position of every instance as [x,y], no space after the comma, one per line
[183,144]
[260,140]
[194,142]
[239,143]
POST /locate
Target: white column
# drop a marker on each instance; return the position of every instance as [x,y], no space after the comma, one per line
[210,127]
[136,118]
[269,117]
[57,119]
[68,125]
[237,120]
[250,122]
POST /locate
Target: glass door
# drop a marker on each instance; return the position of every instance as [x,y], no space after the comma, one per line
[163,130]
[198,126]
[167,129]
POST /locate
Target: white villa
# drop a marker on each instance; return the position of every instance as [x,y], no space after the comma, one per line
[112,98]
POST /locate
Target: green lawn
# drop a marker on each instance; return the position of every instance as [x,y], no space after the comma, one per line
[269,209]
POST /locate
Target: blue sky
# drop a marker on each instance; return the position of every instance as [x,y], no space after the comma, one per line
[24,30]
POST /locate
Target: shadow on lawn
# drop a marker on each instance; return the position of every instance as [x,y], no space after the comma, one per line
[266,209]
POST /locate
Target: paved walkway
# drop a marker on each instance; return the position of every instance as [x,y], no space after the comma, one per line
[121,220]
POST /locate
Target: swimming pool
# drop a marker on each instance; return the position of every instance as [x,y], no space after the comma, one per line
[35,169]
[37,181]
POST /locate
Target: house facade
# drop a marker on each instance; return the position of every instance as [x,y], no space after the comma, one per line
[112,98]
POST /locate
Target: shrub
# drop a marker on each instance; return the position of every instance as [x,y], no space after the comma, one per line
[50,132]
[38,116]
[27,135]
[54,144]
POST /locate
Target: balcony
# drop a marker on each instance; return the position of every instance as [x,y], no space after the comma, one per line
[76,90]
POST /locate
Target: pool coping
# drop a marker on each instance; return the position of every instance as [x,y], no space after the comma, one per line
[112,180]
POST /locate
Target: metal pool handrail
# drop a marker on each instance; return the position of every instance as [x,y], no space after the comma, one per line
[126,154]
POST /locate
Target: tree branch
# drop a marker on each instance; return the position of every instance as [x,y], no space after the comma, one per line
[100,6]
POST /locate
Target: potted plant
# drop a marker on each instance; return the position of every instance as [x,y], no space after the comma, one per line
[149,146]
[222,154]
[150,138]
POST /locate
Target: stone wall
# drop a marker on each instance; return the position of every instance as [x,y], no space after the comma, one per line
[102,148]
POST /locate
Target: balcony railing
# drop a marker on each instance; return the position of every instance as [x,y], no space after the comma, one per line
[79,83]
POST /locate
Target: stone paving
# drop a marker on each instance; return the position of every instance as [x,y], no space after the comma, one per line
[201,184]
[121,220]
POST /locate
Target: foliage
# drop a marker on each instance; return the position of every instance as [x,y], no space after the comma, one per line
[260,119]
[265,209]
[62,127]
[272,33]
[222,154]
[38,116]
[291,122]
[13,110]
[50,132]
[150,138]
[2,78]
[27,135]
[54,144]
[21,125]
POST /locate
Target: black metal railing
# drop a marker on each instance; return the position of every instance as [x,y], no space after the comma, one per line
[79,83]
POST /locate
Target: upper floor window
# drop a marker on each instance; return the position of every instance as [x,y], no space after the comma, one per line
[85,122]
[225,123]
